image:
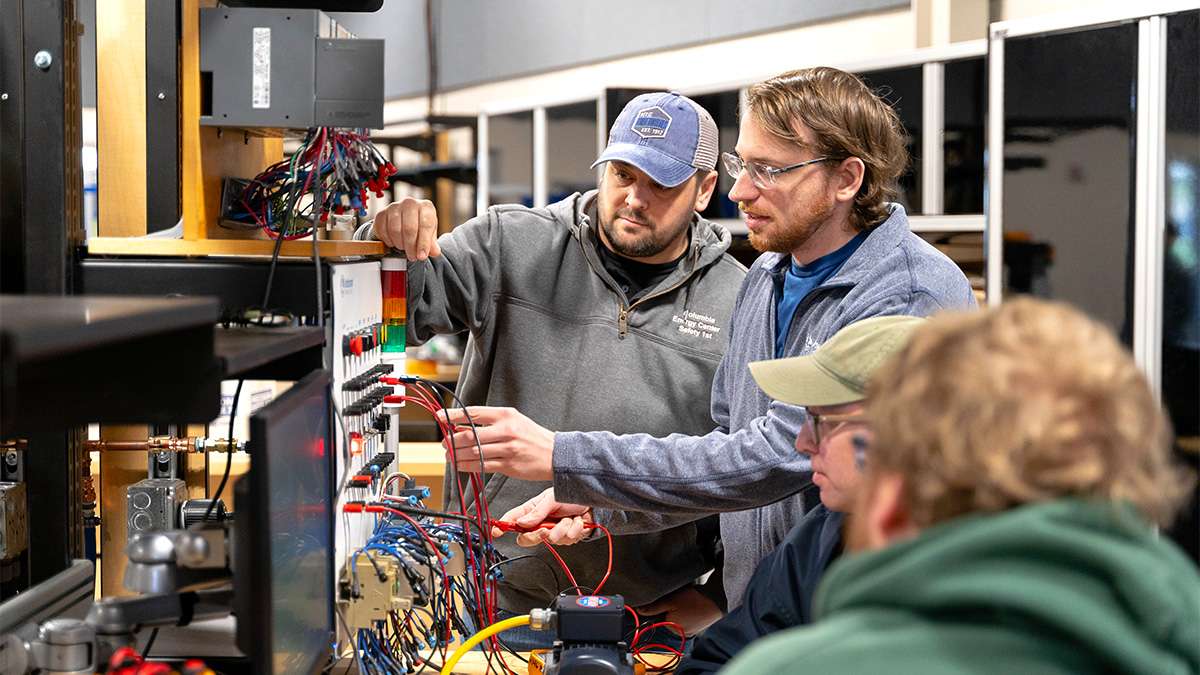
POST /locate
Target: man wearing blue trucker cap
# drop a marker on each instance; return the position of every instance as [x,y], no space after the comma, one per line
[607,310]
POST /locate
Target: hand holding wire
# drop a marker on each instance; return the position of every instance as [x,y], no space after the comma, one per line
[508,442]
[544,519]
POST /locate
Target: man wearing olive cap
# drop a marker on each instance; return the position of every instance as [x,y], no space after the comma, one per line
[831,383]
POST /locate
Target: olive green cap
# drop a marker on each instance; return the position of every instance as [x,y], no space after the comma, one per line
[838,371]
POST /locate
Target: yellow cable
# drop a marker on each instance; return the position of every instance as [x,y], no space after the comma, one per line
[482,635]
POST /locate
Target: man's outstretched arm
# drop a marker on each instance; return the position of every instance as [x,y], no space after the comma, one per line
[678,474]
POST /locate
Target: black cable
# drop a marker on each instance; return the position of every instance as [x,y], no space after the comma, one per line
[345,451]
[553,572]
[426,512]
[430,56]
[485,532]
[316,256]
[289,209]
[149,644]
[271,268]
[228,454]
[378,570]
[511,652]
[453,448]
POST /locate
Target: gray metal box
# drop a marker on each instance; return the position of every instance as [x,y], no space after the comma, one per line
[283,68]
[152,505]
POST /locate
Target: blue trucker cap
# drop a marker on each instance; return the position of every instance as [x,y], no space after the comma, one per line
[666,135]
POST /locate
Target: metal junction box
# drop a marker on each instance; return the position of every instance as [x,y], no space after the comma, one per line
[152,505]
[286,68]
[14,520]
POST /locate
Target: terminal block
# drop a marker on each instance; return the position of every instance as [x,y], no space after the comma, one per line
[378,592]
[386,583]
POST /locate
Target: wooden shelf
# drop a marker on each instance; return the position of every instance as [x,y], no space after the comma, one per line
[423,459]
[204,247]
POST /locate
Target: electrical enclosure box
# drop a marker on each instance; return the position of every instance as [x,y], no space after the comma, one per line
[14,523]
[590,619]
[152,505]
[286,68]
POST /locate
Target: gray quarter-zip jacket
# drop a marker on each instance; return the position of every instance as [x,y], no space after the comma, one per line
[748,468]
[552,335]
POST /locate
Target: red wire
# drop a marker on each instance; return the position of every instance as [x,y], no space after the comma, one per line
[428,400]
[676,657]
[563,563]
[678,653]
[637,620]
[608,570]
[669,624]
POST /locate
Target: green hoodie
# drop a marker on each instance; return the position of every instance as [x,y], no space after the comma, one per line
[1060,587]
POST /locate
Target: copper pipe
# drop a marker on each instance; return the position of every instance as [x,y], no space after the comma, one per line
[99,446]
[166,444]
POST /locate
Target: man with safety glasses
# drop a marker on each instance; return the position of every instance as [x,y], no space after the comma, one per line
[831,383]
[816,164]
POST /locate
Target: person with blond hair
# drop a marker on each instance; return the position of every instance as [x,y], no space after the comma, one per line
[1006,522]
[815,167]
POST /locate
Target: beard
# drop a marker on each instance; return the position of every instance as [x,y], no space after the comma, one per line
[653,241]
[785,238]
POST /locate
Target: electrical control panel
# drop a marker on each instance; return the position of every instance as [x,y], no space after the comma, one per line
[286,68]
[356,341]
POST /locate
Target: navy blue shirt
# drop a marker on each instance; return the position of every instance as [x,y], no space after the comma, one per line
[800,280]
[779,596]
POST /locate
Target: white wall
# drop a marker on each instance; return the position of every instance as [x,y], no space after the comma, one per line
[709,67]
[722,65]
[1007,10]
[1065,203]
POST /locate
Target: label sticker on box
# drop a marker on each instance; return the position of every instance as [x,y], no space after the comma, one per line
[593,601]
[260,96]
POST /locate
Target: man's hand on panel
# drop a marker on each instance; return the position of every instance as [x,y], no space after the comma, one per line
[410,225]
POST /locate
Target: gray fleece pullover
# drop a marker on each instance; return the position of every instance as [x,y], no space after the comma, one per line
[552,335]
[747,468]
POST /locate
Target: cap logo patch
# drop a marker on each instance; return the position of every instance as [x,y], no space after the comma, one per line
[651,122]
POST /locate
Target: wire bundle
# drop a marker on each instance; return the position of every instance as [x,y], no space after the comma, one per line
[406,641]
[412,535]
[409,641]
[333,170]
[639,649]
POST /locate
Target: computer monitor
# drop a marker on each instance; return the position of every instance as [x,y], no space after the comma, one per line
[283,522]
